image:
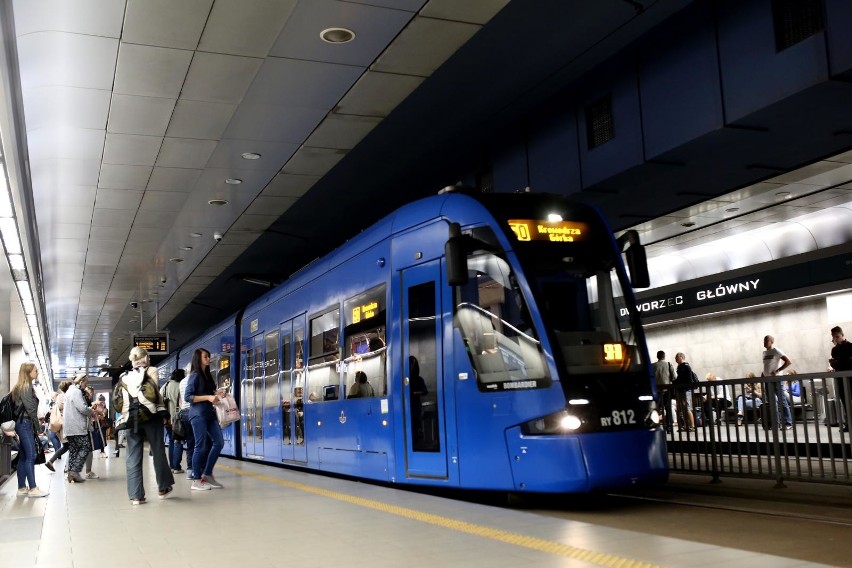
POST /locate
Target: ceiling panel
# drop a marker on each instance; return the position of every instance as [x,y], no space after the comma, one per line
[140,115]
[162,201]
[111,217]
[313,161]
[219,78]
[273,123]
[245,27]
[185,152]
[75,107]
[155,219]
[51,58]
[53,175]
[301,84]
[124,177]
[472,11]
[341,131]
[374,28]
[165,22]
[128,149]
[377,94]
[290,185]
[199,119]
[88,17]
[173,179]
[228,154]
[118,199]
[423,46]
[151,71]
[70,143]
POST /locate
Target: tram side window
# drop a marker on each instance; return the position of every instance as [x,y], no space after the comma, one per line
[364,340]
[222,371]
[323,376]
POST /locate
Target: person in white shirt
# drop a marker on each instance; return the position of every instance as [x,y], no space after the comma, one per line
[772,356]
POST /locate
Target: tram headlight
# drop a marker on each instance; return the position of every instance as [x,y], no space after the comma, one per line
[655,417]
[571,422]
[557,423]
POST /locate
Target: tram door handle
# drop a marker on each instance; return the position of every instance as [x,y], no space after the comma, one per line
[405,382]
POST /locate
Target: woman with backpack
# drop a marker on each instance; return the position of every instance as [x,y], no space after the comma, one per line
[201,393]
[142,409]
[26,425]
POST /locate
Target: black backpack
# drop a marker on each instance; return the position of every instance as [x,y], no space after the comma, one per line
[7,409]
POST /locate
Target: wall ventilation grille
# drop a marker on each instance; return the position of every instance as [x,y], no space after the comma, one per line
[795,21]
[600,126]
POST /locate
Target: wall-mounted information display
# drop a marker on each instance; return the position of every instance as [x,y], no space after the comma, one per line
[154,343]
[552,231]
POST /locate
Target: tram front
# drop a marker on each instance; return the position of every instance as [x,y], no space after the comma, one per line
[544,305]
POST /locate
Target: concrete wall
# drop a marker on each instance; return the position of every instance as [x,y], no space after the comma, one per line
[731,344]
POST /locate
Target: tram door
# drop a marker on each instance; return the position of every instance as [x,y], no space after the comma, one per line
[423,372]
[252,422]
[292,390]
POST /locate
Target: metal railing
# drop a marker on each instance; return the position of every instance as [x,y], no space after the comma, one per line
[735,438]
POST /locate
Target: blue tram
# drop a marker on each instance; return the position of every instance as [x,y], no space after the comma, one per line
[467,340]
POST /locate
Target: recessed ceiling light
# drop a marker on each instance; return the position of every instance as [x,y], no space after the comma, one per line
[250,156]
[217,202]
[176,259]
[732,210]
[688,224]
[337,35]
[195,235]
[233,181]
[185,248]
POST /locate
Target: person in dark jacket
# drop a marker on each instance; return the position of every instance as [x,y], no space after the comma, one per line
[26,426]
[841,360]
[683,393]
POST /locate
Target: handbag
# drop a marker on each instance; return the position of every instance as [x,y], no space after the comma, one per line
[39,449]
[226,410]
[55,420]
[178,428]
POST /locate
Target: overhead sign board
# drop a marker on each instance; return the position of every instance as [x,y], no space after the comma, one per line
[154,343]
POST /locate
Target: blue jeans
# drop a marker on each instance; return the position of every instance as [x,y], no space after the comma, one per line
[205,455]
[152,430]
[26,454]
[781,396]
[175,450]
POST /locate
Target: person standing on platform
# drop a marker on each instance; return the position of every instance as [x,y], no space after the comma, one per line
[26,427]
[201,393]
[684,381]
[664,375]
[142,409]
[75,424]
[771,357]
[171,395]
[841,361]
[189,441]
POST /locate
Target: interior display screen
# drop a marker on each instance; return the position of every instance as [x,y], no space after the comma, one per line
[552,231]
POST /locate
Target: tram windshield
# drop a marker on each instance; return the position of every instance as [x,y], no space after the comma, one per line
[495,325]
[584,308]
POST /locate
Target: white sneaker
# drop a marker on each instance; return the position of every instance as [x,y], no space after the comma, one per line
[201,485]
[37,493]
[92,475]
[211,481]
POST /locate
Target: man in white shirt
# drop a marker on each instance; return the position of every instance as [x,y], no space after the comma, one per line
[772,356]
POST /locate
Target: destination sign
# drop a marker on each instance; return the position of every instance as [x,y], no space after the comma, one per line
[551,231]
[365,311]
[154,343]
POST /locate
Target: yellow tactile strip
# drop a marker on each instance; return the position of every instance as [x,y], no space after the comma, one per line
[539,544]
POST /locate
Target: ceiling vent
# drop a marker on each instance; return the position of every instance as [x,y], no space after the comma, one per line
[600,126]
[795,21]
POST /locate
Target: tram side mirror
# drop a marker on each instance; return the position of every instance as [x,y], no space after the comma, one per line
[637,260]
[456,255]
